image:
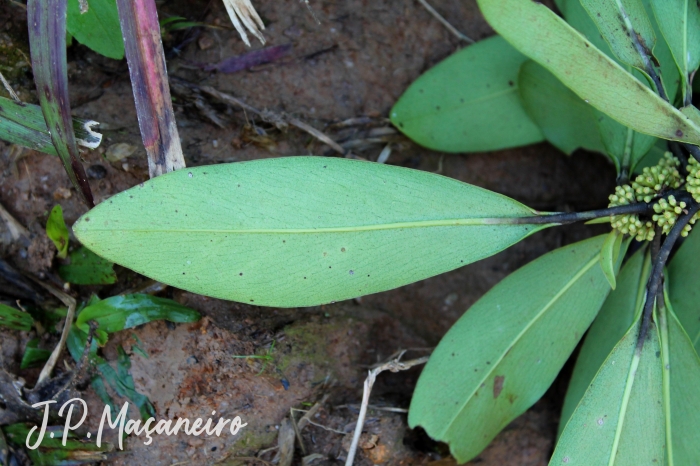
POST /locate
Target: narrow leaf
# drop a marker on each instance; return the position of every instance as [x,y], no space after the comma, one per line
[566,121]
[505,351]
[47,40]
[679,21]
[620,419]
[149,80]
[15,319]
[24,124]
[469,102]
[626,27]
[300,231]
[682,378]
[87,268]
[57,231]
[614,320]
[128,311]
[609,255]
[684,286]
[538,33]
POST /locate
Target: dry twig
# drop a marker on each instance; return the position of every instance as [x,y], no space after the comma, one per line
[394,365]
[444,22]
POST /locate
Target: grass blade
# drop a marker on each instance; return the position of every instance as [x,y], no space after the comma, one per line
[47,40]
[149,79]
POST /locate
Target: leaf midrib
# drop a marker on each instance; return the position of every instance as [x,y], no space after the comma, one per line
[381,226]
[584,269]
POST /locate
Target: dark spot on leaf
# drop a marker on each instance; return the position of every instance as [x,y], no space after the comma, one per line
[498,385]
[488,362]
[240,274]
[679,133]
[658,354]
[87,219]
[342,249]
[510,83]
[511,398]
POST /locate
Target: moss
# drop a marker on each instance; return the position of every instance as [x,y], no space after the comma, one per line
[14,59]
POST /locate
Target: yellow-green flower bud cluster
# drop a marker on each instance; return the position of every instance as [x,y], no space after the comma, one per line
[667,212]
[629,223]
[654,179]
[693,178]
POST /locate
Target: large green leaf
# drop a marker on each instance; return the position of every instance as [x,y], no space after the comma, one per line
[679,21]
[98,27]
[613,321]
[469,102]
[620,419]
[300,231]
[565,120]
[684,286]
[626,27]
[540,34]
[503,354]
[681,396]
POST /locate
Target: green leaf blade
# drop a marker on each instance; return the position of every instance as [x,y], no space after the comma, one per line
[503,354]
[87,268]
[469,102]
[98,28]
[57,231]
[684,287]
[626,27]
[15,319]
[128,311]
[566,121]
[300,231]
[540,34]
[620,419]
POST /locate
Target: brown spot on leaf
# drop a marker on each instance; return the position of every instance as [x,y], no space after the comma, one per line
[498,385]
[679,133]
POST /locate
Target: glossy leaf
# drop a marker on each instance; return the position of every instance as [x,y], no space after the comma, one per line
[681,397]
[626,27]
[620,419]
[57,231]
[33,356]
[128,311]
[505,351]
[679,21]
[47,40]
[300,231]
[24,124]
[469,102]
[87,268]
[98,27]
[566,121]
[684,286]
[15,319]
[538,33]
[609,255]
[614,320]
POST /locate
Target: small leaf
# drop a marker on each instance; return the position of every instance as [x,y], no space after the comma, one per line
[57,231]
[679,21]
[300,231]
[684,286]
[47,40]
[681,380]
[98,28]
[469,102]
[15,319]
[33,356]
[620,419]
[609,255]
[128,311]
[87,268]
[626,27]
[586,70]
[613,321]
[24,124]
[505,351]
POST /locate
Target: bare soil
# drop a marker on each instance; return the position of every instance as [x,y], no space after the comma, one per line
[355,63]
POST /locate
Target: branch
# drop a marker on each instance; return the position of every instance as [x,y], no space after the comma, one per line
[565,218]
[657,271]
